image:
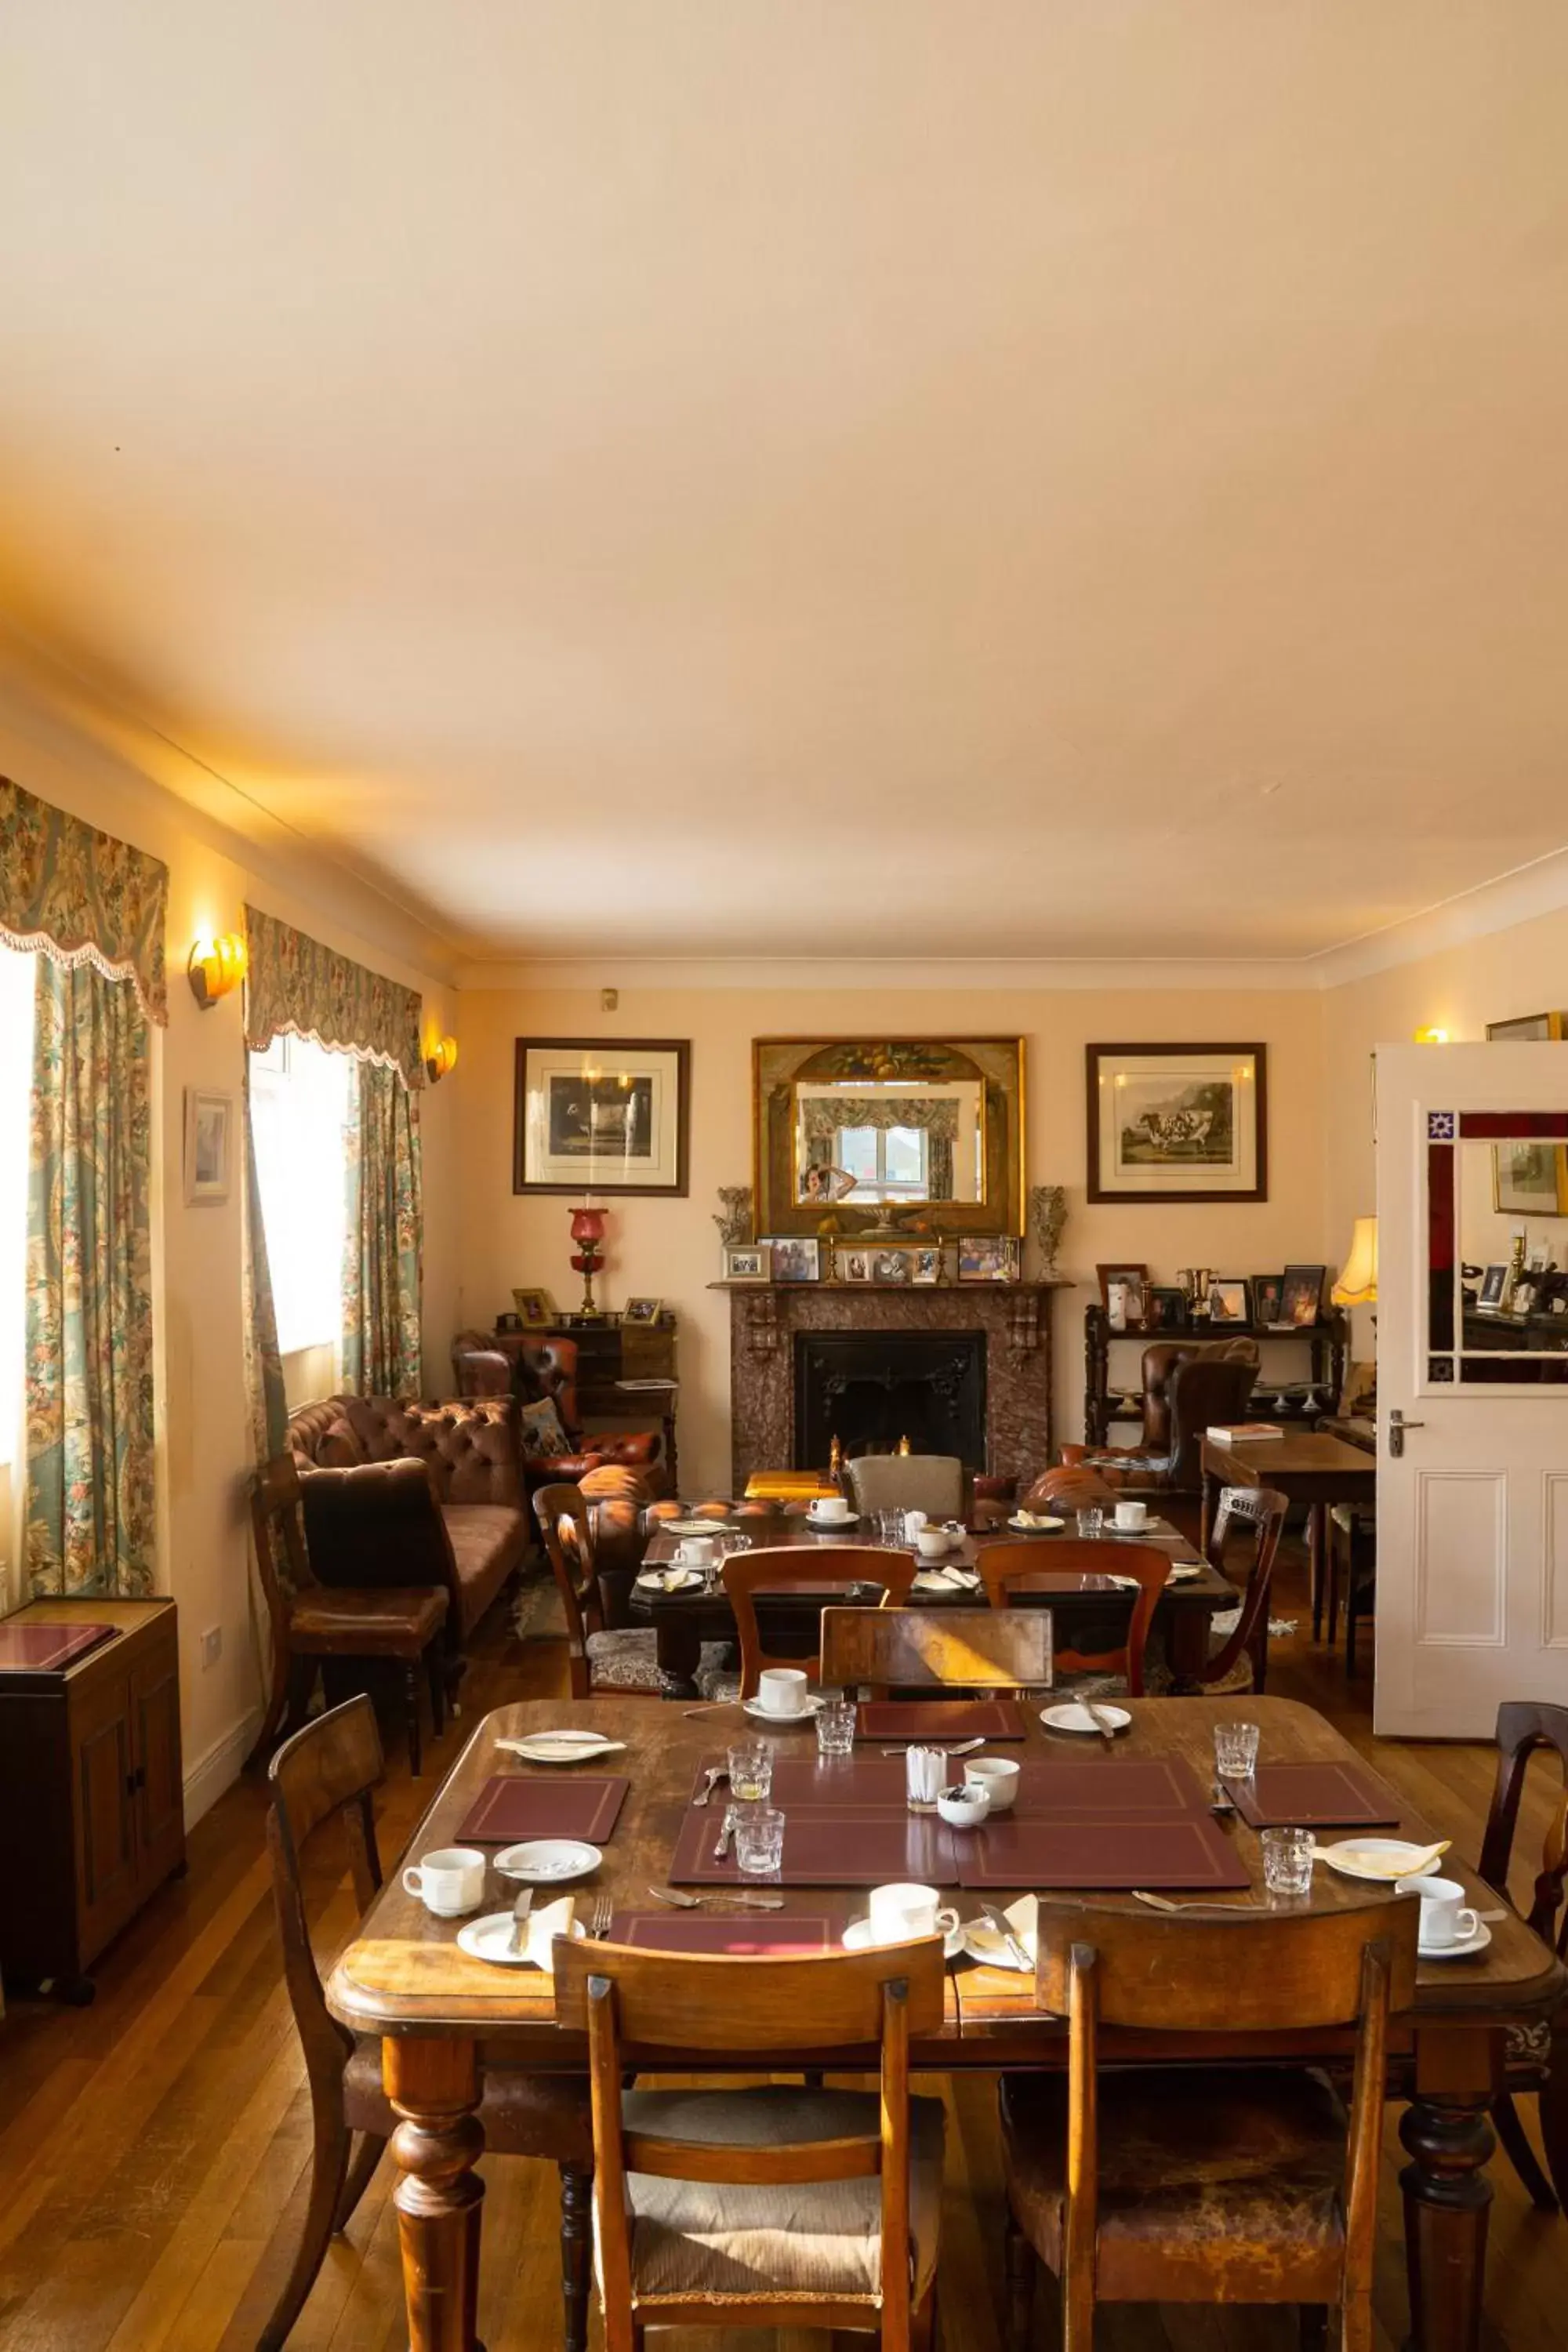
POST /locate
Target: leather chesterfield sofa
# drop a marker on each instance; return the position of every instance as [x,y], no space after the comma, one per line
[401,1493]
[533,1370]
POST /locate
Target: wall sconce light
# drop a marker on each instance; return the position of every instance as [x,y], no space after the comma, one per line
[442,1057]
[214,966]
[1431,1037]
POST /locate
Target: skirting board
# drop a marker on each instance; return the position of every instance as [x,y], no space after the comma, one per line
[220,1768]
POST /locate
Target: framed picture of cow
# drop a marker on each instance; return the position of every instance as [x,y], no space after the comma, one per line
[1177,1123]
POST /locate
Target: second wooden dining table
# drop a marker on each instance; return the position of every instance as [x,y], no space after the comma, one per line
[404,1979]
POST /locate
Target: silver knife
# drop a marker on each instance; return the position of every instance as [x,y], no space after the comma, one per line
[1107,1730]
[1005,1928]
[520,1911]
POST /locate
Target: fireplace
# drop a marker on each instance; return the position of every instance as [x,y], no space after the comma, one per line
[871,1389]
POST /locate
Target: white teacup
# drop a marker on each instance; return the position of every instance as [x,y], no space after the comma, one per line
[830,1507]
[449,1882]
[903,1911]
[1131,1515]
[997,1775]
[934,1543]
[1446,1917]
[782,1690]
[696,1551]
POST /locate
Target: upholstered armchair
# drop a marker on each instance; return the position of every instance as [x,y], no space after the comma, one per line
[542,1374]
[1187,1385]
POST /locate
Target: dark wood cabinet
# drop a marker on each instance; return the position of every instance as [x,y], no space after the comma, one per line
[91,1788]
[1106,1399]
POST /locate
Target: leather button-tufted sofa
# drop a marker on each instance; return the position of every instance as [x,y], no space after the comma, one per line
[396,1492]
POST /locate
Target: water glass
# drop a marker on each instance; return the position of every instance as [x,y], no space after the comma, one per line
[759,1840]
[1236,1750]
[836,1727]
[1288,1861]
[1091,1521]
[751,1764]
[889,1529]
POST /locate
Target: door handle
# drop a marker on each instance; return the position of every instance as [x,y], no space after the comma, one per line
[1397,1425]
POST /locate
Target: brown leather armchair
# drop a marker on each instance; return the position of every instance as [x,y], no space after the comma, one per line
[1188,1385]
[534,1369]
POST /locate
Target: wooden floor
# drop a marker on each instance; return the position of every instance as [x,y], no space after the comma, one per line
[154,2148]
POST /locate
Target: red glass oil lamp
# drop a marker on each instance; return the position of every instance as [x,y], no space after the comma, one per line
[588,1258]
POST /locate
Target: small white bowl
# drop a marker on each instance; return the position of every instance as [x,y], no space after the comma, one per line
[998,1776]
[934,1543]
[966,1810]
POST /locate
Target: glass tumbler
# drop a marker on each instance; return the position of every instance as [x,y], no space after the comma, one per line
[836,1727]
[1236,1750]
[1288,1861]
[759,1840]
[751,1764]
[1091,1521]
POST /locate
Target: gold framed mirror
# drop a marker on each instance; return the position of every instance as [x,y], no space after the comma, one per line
[888,1135]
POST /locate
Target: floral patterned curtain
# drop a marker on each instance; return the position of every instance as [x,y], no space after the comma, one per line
[89,1370]
[383,1243]
[263,1365]
[294,983]
[81,897]
[824,1116]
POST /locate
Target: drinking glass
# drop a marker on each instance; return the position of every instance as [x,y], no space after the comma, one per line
[1091,1521]
[1236,1750]
[759,1840]
[889,1530]
[836,1727]
[1288,1861]
[751,1772]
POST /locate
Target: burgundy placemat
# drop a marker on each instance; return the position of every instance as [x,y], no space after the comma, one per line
[510,1806]
[1142,1787]
[865,1780]
[45,1649]
[739,1933]
[1176,1850]
[939,1718]
[826,1845]
[1306,1796]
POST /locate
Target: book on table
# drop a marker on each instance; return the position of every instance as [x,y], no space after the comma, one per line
[1244,1432]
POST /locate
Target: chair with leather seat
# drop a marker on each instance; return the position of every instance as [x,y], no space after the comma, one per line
[766,2207]
[1187,1385]
[749,1575]
[931,1482]
[1192,2184]
[541,1371]
[327,1772]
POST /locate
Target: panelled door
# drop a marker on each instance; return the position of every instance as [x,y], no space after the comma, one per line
[1472,1378]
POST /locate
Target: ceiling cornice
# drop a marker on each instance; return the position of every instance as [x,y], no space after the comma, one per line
[999,973]
[1499,905]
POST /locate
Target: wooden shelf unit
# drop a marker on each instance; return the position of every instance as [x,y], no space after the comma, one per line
[1105,1401]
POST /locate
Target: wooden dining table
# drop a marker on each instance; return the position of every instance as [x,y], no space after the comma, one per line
[404,1980]
[683,1621]
[1306,1465]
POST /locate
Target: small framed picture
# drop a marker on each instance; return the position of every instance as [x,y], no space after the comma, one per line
[1493,1298]
[890,1265]
[209,1146]
[989,1258]
[795,1259]
[925,1265]
[641,1310]
[535,1308]
[1164,1308]
[747,1262]
[1301,1296]
[1268,1297]
[1228,1300]
[853,1265]
[1123,1291]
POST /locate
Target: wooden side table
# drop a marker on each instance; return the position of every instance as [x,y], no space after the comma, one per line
[1308,1467]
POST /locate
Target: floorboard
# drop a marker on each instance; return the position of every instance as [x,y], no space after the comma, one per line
[155,2149]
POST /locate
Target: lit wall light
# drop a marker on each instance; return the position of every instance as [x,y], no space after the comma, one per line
[1431,1037]
[215,965]
[442,1057]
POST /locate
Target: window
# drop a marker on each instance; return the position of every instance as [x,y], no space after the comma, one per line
[299,1103]
[891,1158]
[17,977]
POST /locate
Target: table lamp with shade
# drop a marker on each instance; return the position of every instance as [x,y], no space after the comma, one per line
[1357,1284]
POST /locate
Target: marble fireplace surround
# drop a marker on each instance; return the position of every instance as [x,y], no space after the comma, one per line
[764,1318]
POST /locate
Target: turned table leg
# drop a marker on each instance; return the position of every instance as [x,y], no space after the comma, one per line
[1448,2136]
[678,1647]
[434,2086]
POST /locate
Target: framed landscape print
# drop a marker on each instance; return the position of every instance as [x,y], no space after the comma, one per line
[209,1145]
[1177,1123]
[601,1114]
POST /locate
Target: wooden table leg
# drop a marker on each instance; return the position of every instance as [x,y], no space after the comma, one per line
[1187,1650]
[1315,1524]
[678,1644]
[1207,1509]
[1448,2134]
[432,2083]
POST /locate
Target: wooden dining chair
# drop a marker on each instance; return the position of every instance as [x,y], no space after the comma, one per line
[314,1624]
[1008,1570]
[914,1649]
[1191,2184]
[323,1773]
[747,1573]
[599,1659]
[1526,1728]
[1259,1510]
[772,2206]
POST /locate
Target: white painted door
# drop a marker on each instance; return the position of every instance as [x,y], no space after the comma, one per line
[1472,1515]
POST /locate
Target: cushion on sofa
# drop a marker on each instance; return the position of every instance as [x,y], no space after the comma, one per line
[540,1430]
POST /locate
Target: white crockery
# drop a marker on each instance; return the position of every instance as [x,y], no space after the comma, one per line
[998,1776]
[903,1910]
[761,1713]
[968,1809]
[1075,1717]
[696,1551]
[782,1690]
[1131,1515]
[545,1862]
[1446,1917]
[860,1935]
[449,1882]
[913,1522]
[934,1543]
[829,1507]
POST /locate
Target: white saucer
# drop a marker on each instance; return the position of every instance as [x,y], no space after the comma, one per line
[761,1713]
[490,1938]
[1338,1856]
[857,1938]
[549,1748]
[547,1862]
[830,1527]
[1035,1527]
[1075,1717]
[692,1526]
[1476,1943]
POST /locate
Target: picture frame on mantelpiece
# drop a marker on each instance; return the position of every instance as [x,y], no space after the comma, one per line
[1164,1308]
[747,1262]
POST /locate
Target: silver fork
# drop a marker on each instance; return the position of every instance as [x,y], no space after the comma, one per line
[683,1902]
[603,1912]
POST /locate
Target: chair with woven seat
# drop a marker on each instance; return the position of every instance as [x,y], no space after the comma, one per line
[1013,1571]
[323,1773]
[315,1625]
[1193,2184]
[1261,1510]
[1536,2061]
[598,1660]
[748,1573]
[766,2207]
[931,1482]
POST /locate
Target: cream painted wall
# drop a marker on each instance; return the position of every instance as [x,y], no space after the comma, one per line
[205,1438]
[671,1248]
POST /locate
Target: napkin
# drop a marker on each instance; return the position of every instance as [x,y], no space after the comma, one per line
[946,1579]
[925,1774]
[1024,1917]
[556,1919]
[670,1580]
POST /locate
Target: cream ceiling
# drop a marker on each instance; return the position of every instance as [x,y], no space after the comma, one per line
[851,477]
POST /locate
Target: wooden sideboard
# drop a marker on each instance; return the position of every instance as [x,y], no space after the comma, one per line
[609,1355]
[94,1820]
[1106,1401]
